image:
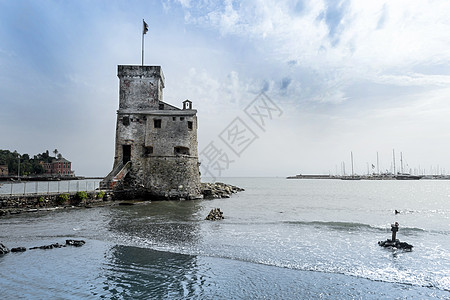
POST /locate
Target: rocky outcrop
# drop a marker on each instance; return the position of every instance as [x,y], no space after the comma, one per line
[3,249]
[18,249]
[75,243]
[51,246]
[215,214]
[219,190]
[395,244]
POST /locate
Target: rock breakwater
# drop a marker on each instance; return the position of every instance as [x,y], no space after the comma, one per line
[75,243]
[219,190]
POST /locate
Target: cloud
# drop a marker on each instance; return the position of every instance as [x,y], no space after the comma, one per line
[333,16]
[362,39]
[414,79]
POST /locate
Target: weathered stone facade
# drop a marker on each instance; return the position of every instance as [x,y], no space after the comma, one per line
[156,143]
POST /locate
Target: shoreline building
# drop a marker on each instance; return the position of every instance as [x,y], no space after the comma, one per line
[58,167]
[156,153]
[4,171]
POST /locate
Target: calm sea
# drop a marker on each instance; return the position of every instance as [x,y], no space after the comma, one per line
[280,239]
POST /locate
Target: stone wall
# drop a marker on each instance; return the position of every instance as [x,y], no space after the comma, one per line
[140,87]
[30,203]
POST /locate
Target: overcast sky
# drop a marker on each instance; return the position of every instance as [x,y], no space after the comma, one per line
[341,76]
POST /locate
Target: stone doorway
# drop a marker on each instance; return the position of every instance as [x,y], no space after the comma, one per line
[126,153]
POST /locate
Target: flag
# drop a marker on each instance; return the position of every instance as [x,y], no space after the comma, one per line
[145,27]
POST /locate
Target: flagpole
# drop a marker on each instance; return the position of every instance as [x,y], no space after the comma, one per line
[143,29]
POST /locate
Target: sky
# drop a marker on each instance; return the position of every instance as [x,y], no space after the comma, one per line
[328,78]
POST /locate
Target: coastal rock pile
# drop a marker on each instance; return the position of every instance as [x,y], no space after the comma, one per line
[393,242]
[215,214]
[219,190]
[51,246]
[76,243]
[396,244]
[3,249]
[19,249]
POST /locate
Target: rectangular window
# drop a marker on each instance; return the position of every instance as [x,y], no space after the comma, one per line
[174,118]
[126,121]
[157,123]
[161,106]
[148,150]
[181,150]
[190,125]
[181,118]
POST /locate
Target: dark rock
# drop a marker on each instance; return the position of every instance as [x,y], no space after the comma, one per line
[18,249]
[3,249]
[219,190]
[395,244]
[45,247]
[76,243]
[215,215]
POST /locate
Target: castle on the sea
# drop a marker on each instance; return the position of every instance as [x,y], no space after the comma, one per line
[156,152]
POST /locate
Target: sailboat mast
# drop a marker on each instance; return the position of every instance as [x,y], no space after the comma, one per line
[393,157]
[378,165]
[351,153]
[401,162]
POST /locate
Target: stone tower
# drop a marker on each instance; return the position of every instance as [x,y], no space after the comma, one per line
[156,154]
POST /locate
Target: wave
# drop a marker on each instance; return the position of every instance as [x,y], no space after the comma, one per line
[350,226]
[377,274]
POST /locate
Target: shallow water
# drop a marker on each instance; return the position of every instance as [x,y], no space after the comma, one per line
[279,239]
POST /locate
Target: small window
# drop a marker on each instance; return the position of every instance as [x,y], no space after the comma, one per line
[126,121]
[161,106]
[190,125]
[148,150]
[181,150]
[157,123]
[174,118]
[181,118]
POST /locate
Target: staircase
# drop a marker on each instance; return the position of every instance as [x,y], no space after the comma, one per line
[115,176]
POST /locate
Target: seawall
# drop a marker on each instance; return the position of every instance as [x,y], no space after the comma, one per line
[42,202]
[16,204]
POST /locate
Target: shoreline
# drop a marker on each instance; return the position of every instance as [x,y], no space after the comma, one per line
[28,203]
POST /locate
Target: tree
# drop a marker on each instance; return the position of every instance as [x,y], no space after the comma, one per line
[55,151]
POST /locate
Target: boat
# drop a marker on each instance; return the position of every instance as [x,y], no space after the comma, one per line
[405,176]
[408,177]
[351,178]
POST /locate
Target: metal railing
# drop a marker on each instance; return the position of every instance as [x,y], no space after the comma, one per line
[47,187]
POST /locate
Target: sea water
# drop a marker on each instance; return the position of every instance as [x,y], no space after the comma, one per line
[280,239]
